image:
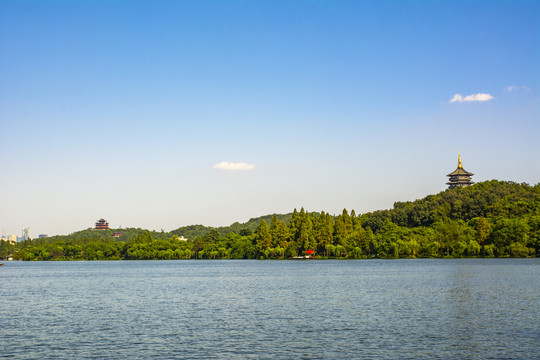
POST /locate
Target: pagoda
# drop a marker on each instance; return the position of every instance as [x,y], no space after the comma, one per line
[102,224]
[459,177]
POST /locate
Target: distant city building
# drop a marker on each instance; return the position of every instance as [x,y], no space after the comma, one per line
[102,224]
[25,234]
[12,239]
[41,236]
[459,177]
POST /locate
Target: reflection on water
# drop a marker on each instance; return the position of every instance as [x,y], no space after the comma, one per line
[407,309]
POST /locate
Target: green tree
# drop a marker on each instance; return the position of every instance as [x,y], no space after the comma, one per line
[509,231]
[263,239]
[330,250]
[473,248]
[518,250]
[294,225]
[305,238]
[279,232]
[451,232]
[211,237]
[482,230]
[323,229]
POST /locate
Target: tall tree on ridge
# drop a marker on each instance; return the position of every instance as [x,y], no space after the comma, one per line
[263,240]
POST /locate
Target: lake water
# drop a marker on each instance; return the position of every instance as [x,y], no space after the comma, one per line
[384,309]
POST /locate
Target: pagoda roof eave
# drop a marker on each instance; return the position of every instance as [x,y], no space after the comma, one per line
[460,171]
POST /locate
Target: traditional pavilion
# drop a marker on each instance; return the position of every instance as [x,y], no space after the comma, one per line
[459,177]
[102,224]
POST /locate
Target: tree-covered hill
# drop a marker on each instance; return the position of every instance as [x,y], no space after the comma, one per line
[489,219]
[492,218]
[488,199]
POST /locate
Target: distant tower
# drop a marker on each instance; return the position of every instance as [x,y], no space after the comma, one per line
[25,234]
[460,177]
[102,224]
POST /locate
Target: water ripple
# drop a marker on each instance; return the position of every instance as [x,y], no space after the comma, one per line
[407,309]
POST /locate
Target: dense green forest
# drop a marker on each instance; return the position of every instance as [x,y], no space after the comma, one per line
[489,219]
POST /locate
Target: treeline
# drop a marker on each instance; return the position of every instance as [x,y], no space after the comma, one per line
[193,231]
[489,219]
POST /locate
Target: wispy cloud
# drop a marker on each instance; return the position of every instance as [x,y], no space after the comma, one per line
[518,88]
[473,97]
[231,166]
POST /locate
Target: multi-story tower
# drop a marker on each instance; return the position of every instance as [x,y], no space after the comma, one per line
[102,224]
[25,234]
[459,177]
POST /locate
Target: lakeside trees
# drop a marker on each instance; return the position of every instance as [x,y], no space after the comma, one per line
[489,219]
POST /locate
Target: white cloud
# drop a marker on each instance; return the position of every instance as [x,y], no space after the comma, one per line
[517,88]
[473,97]
[230,166]
[456,98]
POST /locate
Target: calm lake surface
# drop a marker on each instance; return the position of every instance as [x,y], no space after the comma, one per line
[384,309]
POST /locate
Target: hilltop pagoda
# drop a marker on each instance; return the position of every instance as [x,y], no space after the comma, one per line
[102,224]
[459,177]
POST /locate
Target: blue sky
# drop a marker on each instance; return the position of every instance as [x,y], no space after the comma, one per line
[126,109]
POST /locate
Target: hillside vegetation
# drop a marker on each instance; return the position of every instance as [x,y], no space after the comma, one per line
[489,219]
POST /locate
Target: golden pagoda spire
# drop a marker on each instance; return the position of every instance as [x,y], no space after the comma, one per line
[459,161]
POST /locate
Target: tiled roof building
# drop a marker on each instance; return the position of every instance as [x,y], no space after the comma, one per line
[102,224]
[459,177]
